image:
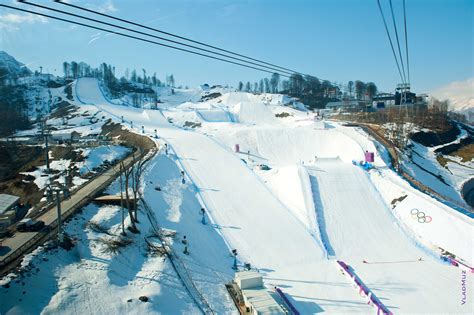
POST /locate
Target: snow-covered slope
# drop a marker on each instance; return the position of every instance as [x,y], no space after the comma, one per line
[358,228]
[294,221]
[356,221]
[248,216]
[10,67]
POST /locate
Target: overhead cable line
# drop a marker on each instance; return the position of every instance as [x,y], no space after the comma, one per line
[398,42]
[173,35]
[140,39]
[406,40]
[154,36]
[390,40]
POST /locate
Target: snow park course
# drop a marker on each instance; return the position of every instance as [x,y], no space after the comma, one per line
[361,231]
[353,220]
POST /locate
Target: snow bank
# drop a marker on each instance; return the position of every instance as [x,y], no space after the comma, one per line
[214,115]
[254,113]
[304,144]
[97,156]
[292,186]
[448,229]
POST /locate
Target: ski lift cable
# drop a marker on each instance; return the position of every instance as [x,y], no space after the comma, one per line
[173,35]
[138,38]
[390,40]
[153,36]
[398,41]
[406,40]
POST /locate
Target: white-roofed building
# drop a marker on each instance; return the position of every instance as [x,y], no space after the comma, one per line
[256,297]
[8,209]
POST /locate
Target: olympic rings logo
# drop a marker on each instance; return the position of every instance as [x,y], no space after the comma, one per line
[420,216]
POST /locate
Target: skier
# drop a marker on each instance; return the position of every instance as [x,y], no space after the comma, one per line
[183,181]
[166,148]
[184,241]
[203,212]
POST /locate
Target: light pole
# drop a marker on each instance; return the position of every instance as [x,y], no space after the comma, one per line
[58,205]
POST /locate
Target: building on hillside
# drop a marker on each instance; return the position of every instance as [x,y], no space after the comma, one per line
[64,137]
[383,100]
[8,210]
[387,100]
[343,105]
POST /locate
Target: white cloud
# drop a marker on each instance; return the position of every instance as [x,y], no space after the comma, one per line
[459,93]
[106,7]
[12,21]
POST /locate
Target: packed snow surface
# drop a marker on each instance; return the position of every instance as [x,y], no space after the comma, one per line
[355,222]
[293,221]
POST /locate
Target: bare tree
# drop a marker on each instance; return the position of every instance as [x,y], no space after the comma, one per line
[350,87]
[121,197]
[127,173]
[137,171]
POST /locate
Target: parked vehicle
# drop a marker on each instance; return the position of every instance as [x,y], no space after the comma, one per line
[6,234]
[29,225]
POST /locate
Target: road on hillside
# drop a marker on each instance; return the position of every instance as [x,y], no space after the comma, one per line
[23,242]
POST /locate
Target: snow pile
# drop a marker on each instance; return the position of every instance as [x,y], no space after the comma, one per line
[42,179]
[214,115]
[254,113]
[95,157]
[304,145]
[292,186]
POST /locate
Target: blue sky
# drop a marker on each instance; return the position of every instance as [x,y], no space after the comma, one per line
[339,40]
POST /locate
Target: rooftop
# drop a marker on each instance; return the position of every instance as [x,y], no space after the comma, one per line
[262,301]
[250,274]
[7,201]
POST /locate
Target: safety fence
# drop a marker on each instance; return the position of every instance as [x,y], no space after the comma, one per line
[288,303]
[372,299]
[455,262]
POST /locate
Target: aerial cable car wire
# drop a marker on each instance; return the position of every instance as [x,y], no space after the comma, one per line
[138,38]
[390,40]
[173,35]
[406,40]
[153,36]
[398,42]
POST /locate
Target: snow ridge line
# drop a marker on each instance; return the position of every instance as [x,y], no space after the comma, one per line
[178,265]
[265,186]
[321,225]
